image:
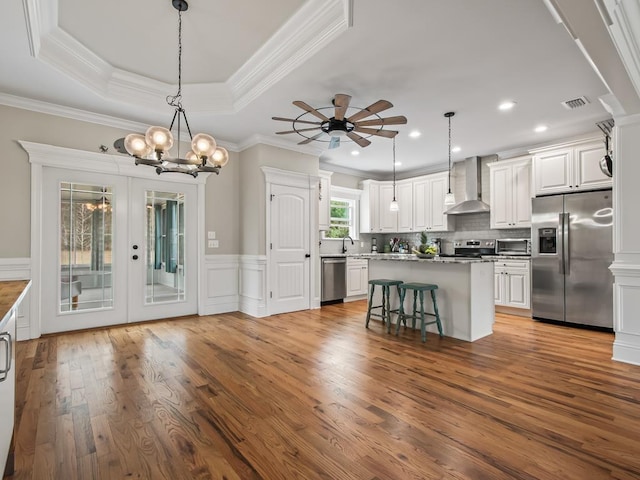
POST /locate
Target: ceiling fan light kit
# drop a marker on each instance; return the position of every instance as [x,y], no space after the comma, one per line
[153,147]
[339,125]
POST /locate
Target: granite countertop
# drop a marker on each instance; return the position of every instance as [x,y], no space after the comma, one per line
[508,257]
[10,292]
[406,257]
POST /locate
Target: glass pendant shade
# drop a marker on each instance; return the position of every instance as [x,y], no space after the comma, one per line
[136,145]
[159,139]
[220,157]
[192,158]
[393,207]
[449,199]
[203,145]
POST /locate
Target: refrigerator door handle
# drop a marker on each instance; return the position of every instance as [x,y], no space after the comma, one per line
[560,243]
[566,223]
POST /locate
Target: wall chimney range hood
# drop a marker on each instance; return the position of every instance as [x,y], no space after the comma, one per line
[473,198]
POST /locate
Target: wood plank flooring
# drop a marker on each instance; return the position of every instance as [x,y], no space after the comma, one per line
[314,395]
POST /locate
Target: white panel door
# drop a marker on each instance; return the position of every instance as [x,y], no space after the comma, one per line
[521,211]
[162,250]
[501,195]
[421,204]
[388,219]
[437,191]
[553,172]
[404,195]
[587,170]
[289,249]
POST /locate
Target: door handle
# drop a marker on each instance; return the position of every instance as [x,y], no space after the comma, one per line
[566,224]
[307,255]
[6,338]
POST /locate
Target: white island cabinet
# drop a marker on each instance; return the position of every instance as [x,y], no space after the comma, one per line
[465,290]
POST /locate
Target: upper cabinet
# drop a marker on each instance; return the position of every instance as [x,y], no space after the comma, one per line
[420,201]
[510,187]
[324,200]
[569,168]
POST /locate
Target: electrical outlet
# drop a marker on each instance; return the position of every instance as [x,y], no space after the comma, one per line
[211,235]
[214,243]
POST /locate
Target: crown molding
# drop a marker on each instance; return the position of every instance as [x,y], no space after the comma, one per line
[312,27]
[70,112]
[258,139]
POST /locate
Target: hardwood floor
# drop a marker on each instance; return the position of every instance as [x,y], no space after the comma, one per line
[314,395]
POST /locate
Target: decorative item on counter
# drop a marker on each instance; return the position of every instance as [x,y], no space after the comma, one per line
[425,250]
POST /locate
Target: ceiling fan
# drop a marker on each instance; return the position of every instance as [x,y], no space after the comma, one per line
[346,121]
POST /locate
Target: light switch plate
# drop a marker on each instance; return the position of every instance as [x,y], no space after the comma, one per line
[211,235]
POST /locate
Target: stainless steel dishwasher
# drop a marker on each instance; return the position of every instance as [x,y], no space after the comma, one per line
[334,279]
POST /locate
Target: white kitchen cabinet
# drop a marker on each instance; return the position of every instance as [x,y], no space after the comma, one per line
[370,207]
[428,203]
[420,202]
[510,182]
[324,200]
[404,196]
[357,276]
[513,283]
[569,168]
[388,219]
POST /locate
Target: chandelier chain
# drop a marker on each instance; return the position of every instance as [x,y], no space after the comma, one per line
[449,180]
[176,100]
[394,168]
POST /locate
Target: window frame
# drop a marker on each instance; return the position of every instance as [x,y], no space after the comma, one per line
[352,196]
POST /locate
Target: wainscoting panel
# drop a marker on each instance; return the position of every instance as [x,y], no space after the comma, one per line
[253,285]
[220,284]
[19,269]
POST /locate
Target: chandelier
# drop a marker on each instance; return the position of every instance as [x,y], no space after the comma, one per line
[153,147]
[449,198]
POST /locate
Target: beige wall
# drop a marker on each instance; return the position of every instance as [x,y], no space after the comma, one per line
[222,191]
[344,180]
[252,192]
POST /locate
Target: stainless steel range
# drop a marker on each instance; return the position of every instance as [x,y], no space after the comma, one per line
[472,248]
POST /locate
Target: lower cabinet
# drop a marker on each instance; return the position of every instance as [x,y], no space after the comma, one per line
[513,283]
[357,276]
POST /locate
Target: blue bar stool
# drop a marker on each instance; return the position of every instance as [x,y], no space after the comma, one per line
[419,288]
[386,304]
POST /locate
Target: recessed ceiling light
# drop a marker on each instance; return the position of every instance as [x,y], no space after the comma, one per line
[414,134]
[455,149]
[355,153]
[398,164]
[540,128]
[508,105]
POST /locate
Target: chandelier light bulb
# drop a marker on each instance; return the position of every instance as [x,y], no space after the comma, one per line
[159,139]
[136,145]
[220,157]
[192,158]
[203,145]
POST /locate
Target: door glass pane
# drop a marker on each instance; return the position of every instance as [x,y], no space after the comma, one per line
[86,231]
[165,247]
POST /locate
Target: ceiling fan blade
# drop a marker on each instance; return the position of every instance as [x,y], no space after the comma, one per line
[311,110]
[292,120]
[309,140]
[334,143]
[376,107]
[399,120]
[341,101]
[299,130]
[373,131]
[363,142]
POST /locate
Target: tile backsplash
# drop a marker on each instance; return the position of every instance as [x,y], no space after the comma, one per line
[471,225]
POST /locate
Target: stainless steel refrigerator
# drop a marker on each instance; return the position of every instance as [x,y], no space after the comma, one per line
[571,251]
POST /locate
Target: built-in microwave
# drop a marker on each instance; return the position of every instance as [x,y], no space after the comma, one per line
[513,246]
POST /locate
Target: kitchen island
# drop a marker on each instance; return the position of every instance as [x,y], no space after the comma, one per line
[465,292]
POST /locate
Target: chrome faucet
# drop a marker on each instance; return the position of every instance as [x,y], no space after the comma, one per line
[344,248]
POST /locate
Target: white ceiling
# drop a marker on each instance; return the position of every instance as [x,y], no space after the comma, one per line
[244,62]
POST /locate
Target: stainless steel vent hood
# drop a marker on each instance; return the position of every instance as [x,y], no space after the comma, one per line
[473,199]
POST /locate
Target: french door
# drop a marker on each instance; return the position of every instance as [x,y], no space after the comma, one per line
[115,249]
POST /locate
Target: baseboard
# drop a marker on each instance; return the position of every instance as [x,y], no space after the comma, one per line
[15,269]
[519,312]
[355,298]
[626,348]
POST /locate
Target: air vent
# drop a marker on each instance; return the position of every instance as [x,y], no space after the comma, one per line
[575,103]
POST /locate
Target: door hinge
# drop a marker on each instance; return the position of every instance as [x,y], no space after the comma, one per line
[271,246]
[271,197]
[270,294]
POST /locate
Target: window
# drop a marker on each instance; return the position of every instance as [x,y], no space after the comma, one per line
[343,212]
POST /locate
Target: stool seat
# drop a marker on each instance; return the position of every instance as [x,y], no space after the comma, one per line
[385,307]
[418,290]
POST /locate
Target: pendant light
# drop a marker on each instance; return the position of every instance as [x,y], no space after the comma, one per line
[449,198]
[393,206]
